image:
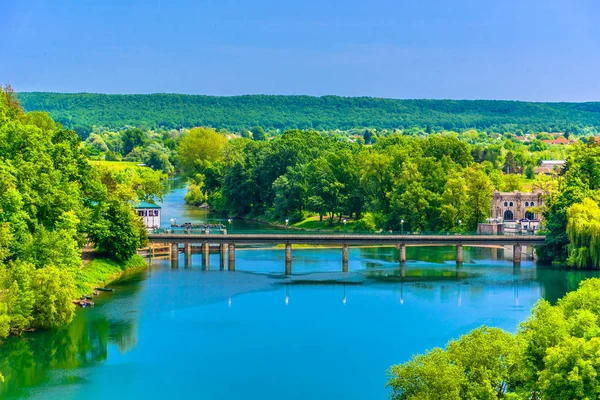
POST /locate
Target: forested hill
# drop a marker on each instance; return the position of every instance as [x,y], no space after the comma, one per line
[305,112]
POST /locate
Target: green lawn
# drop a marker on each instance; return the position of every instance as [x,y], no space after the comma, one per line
[116,164]
[313,223]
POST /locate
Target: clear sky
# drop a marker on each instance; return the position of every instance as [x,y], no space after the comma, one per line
[541,50]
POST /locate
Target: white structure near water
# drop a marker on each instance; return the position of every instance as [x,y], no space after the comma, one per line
[149,213]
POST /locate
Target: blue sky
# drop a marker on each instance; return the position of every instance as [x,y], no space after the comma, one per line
[540,50]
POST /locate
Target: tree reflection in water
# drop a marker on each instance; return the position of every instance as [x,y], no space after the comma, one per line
[27,361]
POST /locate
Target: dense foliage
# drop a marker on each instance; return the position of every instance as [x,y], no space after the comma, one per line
[436,182]
[554,355]
[52,201]
[571,221]
[304,112]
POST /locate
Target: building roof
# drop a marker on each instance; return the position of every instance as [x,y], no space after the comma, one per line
[144,204]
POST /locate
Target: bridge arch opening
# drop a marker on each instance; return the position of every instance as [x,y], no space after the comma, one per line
[509,216]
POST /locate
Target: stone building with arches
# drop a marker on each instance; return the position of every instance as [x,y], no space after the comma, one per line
[515,206]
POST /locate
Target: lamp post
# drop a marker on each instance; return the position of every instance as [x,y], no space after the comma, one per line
[229,222]
[344,220]
[287,221]
[402,226]
[459,224]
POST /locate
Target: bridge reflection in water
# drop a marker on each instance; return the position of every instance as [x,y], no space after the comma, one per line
[225,244]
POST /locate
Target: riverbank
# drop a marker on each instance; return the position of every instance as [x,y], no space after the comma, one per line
[100,272]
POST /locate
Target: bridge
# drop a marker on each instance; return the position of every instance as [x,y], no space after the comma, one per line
[228,241]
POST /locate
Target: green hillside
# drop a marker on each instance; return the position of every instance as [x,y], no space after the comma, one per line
[306,112]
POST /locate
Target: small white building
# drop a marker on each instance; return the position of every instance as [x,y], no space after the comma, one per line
[149,213]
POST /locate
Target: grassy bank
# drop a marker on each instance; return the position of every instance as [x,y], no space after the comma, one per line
[311,223]
[101,271]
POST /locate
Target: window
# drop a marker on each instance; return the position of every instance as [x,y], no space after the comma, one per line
[155,213]
[526,204]
[508,215]
[530,216]
[141,213]
[532,204]
[505,204]
[511,203]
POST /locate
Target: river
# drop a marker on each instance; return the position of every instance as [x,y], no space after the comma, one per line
[255,333]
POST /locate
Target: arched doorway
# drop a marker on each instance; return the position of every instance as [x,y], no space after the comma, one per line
[529,215]
[508,215]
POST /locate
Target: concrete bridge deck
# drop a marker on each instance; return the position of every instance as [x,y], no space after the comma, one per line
[228,241]
[350,239]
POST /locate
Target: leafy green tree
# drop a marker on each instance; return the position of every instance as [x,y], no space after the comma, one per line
[156,156]
[132,138]
[583,228]
[117,232]
[258,133]
[432,376]
[511,182]
[53,290]
[479,190]
[488,357]
[572,369]
[198,146]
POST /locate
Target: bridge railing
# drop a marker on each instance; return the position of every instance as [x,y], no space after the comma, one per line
[194,231]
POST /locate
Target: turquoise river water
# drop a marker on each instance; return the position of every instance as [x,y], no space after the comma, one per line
[257,334]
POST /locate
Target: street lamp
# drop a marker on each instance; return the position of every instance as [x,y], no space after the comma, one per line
[229,221]
[287,221]
[459,224]
[402,226]
[344,220]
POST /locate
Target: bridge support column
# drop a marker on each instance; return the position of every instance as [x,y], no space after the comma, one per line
[288,258]
[402,250]
[222,256]
[174,255]
[517,254]
[345,257]
[459,253]
[206,256]
[187,249]
[231,265]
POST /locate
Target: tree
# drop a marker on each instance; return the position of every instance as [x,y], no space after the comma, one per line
[583,228]
[132,138]
[198,146]
[431,376]
[156,156]
[510,165]
[258,133]
[54,289]
[511,182]
[572,370]
[480,189]
[117,232]
[488,357]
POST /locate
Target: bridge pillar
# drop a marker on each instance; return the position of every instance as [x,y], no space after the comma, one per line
[174,255]
[517,254]
[231,265]
[187,250]
[288,258]
[206,256]
[459,253]
[222,256]
[402,270]
[345,257]
[402,250]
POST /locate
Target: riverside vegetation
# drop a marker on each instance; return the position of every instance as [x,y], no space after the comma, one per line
[375,177]
[52,202]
